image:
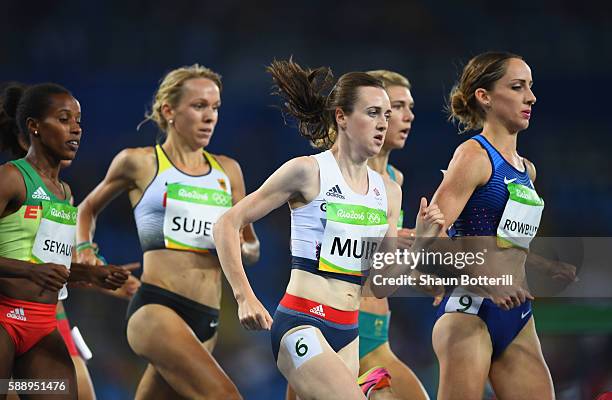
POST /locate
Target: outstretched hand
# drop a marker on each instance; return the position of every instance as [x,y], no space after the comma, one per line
[131,285]
[49,276]
[111,276]
[429,221]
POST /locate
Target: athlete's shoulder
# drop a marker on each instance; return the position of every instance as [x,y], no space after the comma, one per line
[9,171]
[299,172]
[472,148]
[472,153]
[133,164]
[137,152]
[10,176]
[12,186]
[399,176]
[304,165]
[392,188]
[531,169]
[470,165]
[135,157]
[227,163]
[68,192]
[232,169]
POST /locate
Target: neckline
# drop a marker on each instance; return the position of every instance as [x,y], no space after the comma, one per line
[45,187]
[504,158]
[352,192]
[210,168]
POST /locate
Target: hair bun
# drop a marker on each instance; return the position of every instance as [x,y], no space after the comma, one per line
[458,103]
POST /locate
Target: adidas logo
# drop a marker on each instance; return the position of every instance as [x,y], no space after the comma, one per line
[17,314]
[318,310]
[335,192]
[40,194]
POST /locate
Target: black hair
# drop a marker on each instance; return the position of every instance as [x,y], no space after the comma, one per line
[18,103]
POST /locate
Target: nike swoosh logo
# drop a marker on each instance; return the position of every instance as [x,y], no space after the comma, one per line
[214,324]
[507,181]
[523,315]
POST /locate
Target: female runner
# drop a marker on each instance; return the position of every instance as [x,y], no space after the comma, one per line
[374,314]
[335,201]
[488,191]
[37,234]
[18,144]
[178,191]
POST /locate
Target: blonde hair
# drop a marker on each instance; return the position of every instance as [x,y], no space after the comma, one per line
[170,90]
[390,78]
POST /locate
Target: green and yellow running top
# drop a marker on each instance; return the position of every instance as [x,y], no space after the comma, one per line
[18,230]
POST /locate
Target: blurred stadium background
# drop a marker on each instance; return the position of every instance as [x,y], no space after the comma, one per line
[112,55]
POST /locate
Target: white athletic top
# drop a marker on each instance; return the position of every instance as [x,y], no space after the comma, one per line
[308,222]
[150,212]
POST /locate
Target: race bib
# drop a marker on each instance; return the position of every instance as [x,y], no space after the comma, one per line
[55,237]
[352,234]
[521,218]
[460,300]
[302,345]
[190,214]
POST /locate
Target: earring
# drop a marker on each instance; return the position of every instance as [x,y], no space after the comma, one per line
[170,121]
[35,133]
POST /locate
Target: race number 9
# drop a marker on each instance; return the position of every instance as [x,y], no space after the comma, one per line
[466,302]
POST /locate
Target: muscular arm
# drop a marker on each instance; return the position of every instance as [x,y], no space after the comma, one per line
[12,196]
[469,168]
[12,189]
[123,173]
[298,178]
[249,241]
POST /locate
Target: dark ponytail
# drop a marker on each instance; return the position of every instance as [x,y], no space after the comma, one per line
[304,92]
[311,98]
[9,131]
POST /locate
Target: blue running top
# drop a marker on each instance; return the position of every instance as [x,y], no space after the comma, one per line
[484,209]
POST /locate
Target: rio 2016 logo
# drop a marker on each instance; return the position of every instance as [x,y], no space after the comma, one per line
[221,199]
[373,218]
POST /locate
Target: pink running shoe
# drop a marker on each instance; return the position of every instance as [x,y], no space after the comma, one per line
[375,379]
